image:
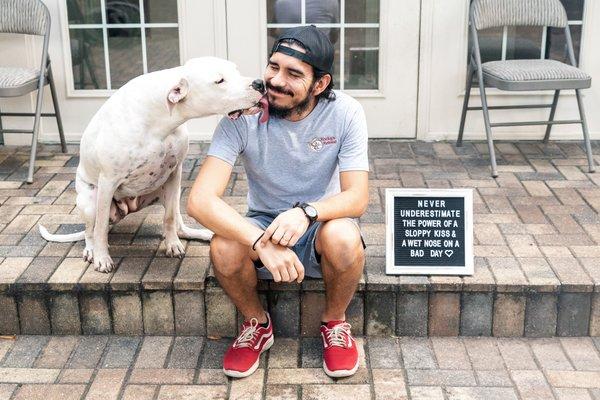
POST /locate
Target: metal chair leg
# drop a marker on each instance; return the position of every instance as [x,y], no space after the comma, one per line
[36,129]
[551,118]
[463,116]
[1,133]
[488,128]
[586,135]
[61,133]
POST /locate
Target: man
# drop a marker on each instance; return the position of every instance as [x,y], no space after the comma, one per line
[307,169]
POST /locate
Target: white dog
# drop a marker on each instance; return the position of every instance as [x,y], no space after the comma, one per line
[132,151]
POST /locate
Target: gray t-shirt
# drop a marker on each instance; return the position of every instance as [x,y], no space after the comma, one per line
[289,161]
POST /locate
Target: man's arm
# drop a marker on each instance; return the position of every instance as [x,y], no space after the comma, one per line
[353,161]
[352,201]
[207,207]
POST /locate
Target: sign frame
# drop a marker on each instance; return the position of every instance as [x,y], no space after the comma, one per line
[391,269]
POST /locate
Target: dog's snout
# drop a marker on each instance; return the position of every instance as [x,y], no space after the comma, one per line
[258,85]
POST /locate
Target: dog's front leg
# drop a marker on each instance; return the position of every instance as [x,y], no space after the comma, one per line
[171,196]
[106,191]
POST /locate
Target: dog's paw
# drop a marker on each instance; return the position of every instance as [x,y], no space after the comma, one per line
[88,255]
[174,249]
[103,263]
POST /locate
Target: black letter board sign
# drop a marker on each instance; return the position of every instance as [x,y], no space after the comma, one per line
[429,231]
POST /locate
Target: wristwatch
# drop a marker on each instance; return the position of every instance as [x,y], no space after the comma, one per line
[309,211]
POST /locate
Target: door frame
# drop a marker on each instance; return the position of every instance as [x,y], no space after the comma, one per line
[405,45]
[383,37]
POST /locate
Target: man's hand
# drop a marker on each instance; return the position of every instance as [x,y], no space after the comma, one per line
[282,262]
[286,228]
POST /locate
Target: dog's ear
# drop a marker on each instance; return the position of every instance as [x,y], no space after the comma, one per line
[176,94]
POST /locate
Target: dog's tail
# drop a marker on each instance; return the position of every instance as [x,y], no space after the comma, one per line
[69,237]
[186,232]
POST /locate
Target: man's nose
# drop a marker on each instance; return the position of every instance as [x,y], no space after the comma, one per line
[258,85]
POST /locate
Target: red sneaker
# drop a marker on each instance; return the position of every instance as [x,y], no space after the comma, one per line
[242,357]
[340,355]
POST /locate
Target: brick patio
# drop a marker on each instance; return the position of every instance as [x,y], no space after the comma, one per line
[165,367]
[537,257]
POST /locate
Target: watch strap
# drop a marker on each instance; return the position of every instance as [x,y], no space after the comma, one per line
[302,205]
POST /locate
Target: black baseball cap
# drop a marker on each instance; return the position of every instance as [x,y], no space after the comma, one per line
[319,50]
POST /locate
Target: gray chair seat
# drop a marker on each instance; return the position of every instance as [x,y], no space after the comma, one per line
[534,74]
[15,81]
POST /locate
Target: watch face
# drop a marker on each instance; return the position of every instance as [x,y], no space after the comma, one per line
[311,211]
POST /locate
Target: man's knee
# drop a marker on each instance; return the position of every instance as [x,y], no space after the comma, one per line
[227,255]
[340,243]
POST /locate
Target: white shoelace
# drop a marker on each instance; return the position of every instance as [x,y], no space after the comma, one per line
[248,335]
[336,335]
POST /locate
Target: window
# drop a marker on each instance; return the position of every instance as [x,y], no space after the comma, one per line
[351,25]
[113,41]
[521,42]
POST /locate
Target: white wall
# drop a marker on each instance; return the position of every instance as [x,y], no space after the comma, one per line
[442,63]
[201,25]
[442,81]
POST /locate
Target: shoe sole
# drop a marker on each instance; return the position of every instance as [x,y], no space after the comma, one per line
[242,374]
[340,373]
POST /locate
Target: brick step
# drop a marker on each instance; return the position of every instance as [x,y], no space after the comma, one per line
[163,296]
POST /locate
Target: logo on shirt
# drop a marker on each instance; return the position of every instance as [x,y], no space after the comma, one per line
[317,143]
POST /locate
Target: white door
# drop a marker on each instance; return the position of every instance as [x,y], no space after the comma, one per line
[376,42]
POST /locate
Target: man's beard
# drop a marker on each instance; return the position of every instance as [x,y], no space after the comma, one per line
[298,109]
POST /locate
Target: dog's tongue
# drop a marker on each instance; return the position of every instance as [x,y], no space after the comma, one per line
[265,109]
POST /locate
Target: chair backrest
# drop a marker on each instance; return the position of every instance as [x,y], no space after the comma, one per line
[24,16]
[494,13]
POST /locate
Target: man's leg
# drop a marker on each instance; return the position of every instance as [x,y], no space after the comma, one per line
[234,269]
[342,261]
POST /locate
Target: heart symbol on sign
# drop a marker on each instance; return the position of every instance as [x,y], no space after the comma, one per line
[448,253]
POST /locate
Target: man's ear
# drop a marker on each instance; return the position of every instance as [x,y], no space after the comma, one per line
[177,94]
[321,84]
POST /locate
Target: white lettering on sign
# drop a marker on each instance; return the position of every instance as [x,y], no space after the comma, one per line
[429,223]
[431,203]
[430,229]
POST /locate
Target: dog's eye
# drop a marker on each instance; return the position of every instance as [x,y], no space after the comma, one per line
[220,81]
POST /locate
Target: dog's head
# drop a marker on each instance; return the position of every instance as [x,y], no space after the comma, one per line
[211,85]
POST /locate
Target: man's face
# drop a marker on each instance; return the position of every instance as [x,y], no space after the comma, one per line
[289,84]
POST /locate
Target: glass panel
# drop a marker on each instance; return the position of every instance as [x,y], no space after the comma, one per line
[523,42]
[333,33]
[162,46]
[490,44]
[361,11]
[160,11]
[284,11]
[87,59]
[122,11]
[361,62]
[322,11]
[125,55]
[574,9]
[84,11]
[334,37]
[556,46]
[272,34]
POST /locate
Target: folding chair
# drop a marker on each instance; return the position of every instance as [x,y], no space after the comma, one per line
[28,17]
[520,75]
